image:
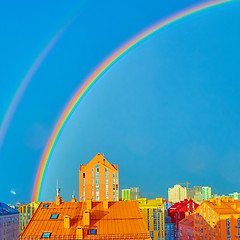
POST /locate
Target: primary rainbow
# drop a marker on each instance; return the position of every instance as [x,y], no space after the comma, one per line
[95,76]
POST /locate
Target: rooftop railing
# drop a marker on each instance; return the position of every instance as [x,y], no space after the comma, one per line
[142,236]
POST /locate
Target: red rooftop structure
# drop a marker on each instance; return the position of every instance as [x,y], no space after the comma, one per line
[179,211]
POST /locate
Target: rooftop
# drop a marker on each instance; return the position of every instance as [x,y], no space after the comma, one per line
[118,218]
[6,210]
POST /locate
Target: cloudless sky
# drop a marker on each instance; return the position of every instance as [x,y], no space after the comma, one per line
[166,113]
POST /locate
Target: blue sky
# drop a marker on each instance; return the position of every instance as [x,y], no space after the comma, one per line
[166,113]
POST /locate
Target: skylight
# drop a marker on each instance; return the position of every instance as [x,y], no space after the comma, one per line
[45,206]
[54,216]
[46,235]
[92,231]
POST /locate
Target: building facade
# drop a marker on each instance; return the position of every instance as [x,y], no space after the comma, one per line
[177,193]
[98,180]
[195,193]
[217,219]
[153,214]
[235,195]
[186,228]
[9,219]
[25,214]
[207,193]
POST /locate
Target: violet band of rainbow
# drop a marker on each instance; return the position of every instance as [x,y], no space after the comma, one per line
[96,75]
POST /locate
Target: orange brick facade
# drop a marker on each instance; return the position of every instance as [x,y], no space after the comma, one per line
[99,180]
[217,219]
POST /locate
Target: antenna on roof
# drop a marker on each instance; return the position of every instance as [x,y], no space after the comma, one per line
[73,195]
[58,189]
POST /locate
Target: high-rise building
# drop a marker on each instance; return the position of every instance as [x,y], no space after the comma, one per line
[153,214]
[177,193]
[91,220]
[195,193]
[206,193]
[235,195]
[126,194]
[9,222]
[217,219]
[131,194]
[98,180]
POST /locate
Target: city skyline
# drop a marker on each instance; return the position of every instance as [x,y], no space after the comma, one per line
[170,104]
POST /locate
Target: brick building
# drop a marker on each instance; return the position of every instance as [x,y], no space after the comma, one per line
[98,180]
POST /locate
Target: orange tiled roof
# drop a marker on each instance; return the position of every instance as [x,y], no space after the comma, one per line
[224,205]
[120,218]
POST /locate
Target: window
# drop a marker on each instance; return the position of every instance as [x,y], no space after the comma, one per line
[155,219]
[228,228]
[148,217]
[93,231]
[92,184]
[106,182]
[97,182]
[46,235]
[45,206]
[54,216]
[151,234]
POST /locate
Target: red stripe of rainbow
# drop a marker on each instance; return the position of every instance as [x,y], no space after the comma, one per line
[95,76]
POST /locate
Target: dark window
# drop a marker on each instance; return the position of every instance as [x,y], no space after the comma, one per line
[92,231]
[83,175]
[54,216]
[45,206]
[46,235]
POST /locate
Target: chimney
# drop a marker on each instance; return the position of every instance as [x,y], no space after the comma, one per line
[105,204]
[86,218]
[218,201]
[234,206]
[67,221]
[79,232]
[89,204]
[211,200]
[73,198]
[58,200]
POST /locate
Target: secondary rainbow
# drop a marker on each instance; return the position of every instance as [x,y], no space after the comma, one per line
[97,75]
[8,115]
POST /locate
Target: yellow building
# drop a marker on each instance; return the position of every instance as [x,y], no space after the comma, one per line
[153,214]
[126,194]
[25,214]
[177,193]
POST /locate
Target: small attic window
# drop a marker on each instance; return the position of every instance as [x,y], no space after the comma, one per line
[54,216]
[46,235]
[45,206]
[93,231]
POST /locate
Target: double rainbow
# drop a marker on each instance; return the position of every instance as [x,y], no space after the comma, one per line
[97,75]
